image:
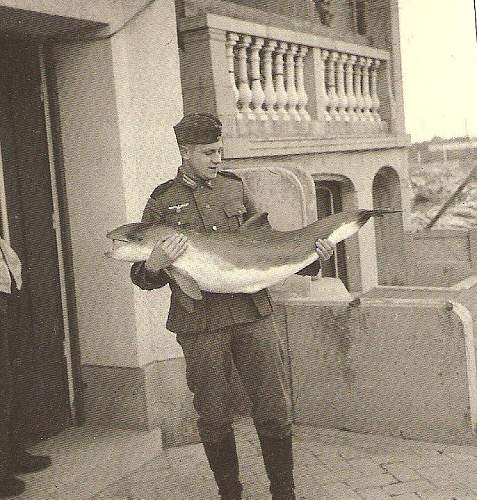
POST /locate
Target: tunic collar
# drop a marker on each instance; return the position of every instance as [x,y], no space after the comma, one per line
[188,181]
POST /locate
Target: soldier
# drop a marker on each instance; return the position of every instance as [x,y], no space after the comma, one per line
[14,459]
[222,329]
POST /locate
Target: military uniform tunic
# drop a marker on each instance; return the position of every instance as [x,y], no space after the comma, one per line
[220,205]
[221,330]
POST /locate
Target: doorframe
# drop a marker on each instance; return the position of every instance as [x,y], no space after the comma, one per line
[4,228]
[339,256]
[61,226]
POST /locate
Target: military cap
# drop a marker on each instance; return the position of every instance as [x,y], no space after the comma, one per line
[198,128]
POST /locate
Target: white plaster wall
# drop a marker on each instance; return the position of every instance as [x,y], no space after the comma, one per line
[118,102]
[95,193]
[149,98]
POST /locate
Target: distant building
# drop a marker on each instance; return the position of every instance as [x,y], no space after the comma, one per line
[457,148]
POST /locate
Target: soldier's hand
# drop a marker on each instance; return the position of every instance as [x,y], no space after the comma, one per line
[324,249]
[166,252]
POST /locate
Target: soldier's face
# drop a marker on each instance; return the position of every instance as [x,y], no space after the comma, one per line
[203,161]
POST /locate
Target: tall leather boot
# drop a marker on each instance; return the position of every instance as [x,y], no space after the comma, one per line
[223,461]
[278,459]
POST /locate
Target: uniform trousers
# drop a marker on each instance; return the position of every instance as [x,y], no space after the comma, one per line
[255,350]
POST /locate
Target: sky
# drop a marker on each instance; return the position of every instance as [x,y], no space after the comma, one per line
[439,63]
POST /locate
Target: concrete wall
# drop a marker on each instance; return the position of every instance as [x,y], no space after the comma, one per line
[388,367]
[440,257]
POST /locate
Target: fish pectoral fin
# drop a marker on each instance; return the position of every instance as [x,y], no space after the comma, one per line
[256,221]
[185,283]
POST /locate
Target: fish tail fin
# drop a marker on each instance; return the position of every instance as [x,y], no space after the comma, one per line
[364,215]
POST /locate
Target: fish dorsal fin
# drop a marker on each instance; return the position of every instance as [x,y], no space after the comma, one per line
[129,232]
[185,283]
[256,222]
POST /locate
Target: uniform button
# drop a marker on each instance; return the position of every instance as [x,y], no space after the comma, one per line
[214,228]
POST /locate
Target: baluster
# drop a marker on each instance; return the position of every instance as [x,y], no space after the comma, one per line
[332,95]
[326,101]
[374,91]
[269,89]
[368,103]
[258,96]
[245,93]
[342,97]
[300,86]
[350,89]
[358,80]
[281,93]
[291,87]
[232,39]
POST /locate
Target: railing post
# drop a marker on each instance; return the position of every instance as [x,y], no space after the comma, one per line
[387,109]
[206,82]
[314,79]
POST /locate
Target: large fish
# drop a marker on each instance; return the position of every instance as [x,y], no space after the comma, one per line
[244,261]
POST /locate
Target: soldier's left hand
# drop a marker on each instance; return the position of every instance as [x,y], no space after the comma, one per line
[324,249]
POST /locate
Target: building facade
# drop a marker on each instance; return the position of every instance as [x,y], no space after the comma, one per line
[310,96]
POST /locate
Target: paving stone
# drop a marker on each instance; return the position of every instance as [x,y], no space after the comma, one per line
[406,496]
[372,481]
[308,488]
[451,492]
[409,487]
[463,450]
[366,466]
[350,452]
[373,494]
[462,457]
[429,459]
[338,491]
[401,472]
[442,476]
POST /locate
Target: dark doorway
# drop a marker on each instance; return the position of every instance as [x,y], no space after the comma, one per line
[329,201]
[36,328]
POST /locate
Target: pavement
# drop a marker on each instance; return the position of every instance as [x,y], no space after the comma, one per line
[329,464]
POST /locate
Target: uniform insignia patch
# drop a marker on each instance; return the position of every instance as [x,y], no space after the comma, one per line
[178,207]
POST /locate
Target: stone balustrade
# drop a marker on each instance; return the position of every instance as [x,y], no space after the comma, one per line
[269,83]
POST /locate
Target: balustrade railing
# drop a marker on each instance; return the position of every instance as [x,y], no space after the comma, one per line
[297,84]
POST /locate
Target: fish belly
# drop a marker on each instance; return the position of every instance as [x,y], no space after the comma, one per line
[129,252]
[214,274]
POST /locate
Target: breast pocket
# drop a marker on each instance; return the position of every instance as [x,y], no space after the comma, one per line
[184,218]
[235,214]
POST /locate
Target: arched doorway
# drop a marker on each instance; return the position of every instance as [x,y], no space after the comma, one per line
[334,194]
[390,250]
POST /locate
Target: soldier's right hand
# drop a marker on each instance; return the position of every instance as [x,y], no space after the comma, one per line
[166,252]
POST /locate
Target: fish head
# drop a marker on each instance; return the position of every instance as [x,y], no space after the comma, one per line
[135,242]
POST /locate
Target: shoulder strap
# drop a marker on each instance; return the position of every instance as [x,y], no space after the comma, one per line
[230,175]
[162,188]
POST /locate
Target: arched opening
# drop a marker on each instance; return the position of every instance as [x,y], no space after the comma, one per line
[335,194]
[390,251]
